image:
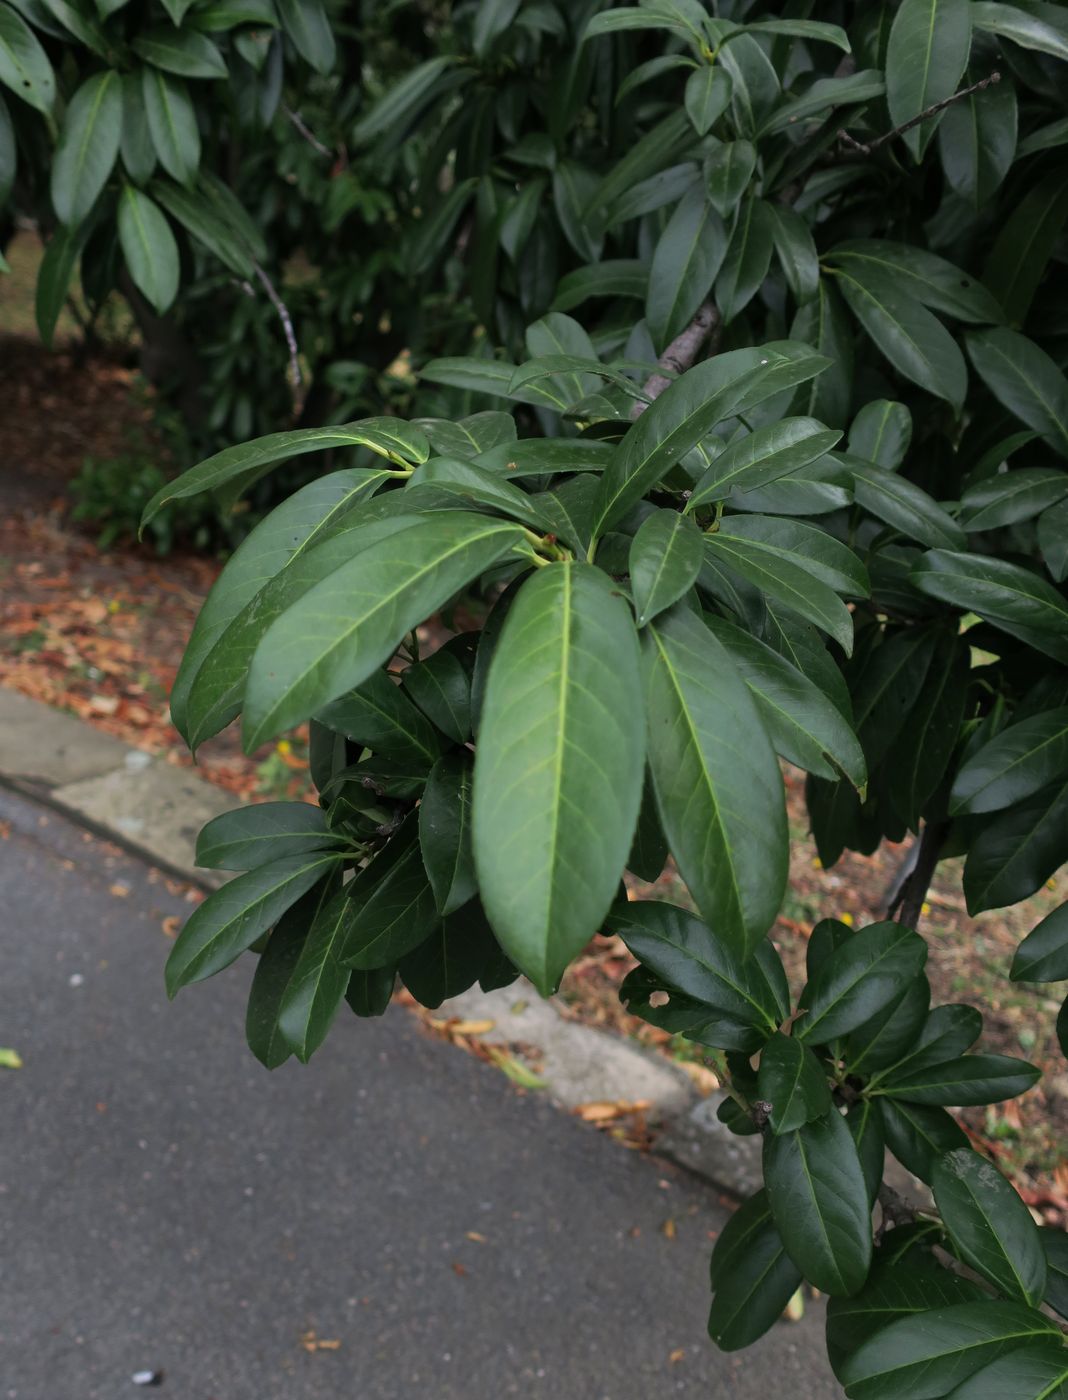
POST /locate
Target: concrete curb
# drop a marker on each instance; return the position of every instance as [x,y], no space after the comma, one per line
[156,810]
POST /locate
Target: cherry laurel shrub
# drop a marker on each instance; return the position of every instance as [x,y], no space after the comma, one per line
[798,493]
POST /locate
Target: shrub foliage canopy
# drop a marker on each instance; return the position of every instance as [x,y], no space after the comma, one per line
[752,434]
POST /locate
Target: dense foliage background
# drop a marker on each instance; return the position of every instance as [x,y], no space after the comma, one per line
[723,356]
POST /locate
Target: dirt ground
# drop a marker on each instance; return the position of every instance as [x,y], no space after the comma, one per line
[101,635]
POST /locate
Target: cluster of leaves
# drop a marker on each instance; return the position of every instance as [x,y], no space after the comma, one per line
[837,539]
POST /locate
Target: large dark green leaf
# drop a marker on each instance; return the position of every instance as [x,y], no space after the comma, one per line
[902,504]
[989,1225]
[973,1079]
[918,1134]
[181,51]
[925,276]
[1030,31]
[1055,1244]
[728,171]
[685,262]
[685,953]
[925,1356]
[349,623]
[1023,378]
[889,1034]
[378,715]
[780,449]
[915,342]
[676,421]
[1053,540]
[665,559]
[708,90]
[317,984]
[393,905]
[747,258]
[1014,856]
[306,23]
[919,757]
[881,433]
[172,124]
[87,147]
[231,919]
[1043,955]
[1037,1371]
[977,139]
[445,833]
[819,1202]
[796,251]
[894,1290]
[1025,244]
[273,974]
[805,727]
[811,548]
[752,1275]
[777,572]
[24,65]
[717,781]
[558,773]
[876,964]
[929,45]
[824,322]
[1014,765]
[1004,594]
[948,1031]
[1011,496]
[54,277]
[149,247]
[266,831]
[452,959]
[196,212]
[793,1082]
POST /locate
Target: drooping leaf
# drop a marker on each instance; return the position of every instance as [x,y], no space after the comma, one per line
[1043,954]
[24,65]
[728,171]
[558,772]
[780,449]
[876,964]
[792,1080]
[266,831]
[748,255]
[1014,856]
[891,497]
[922,275]
[1014,765]
[317,984]
[306,23]
[149,247]
[665,559]
[273,974]
[88,146]
[1004,594]
[393,905]
[881,433]
[977,139]
[445,833]
[752,1275]
[928,51]
[970,1080]
[686,259]
[182,51]
[1011,496]
[1023,378]
[172,124]
[989,1225]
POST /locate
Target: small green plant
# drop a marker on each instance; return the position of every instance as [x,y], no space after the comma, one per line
[112,494]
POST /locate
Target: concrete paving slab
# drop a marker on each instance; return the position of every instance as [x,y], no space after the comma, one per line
[167,1205]
[42,746]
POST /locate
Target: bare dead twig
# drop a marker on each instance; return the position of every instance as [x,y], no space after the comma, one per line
[287,324]
[680,354]
[857,148]
[306,132]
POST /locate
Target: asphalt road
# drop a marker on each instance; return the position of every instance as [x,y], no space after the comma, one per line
[168,1205]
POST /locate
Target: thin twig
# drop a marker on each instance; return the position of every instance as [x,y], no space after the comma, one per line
[862,148]
[287,324]
[680,355]
[306,132]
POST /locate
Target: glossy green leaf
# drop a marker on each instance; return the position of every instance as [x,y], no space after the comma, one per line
[804,726]
[1014,765]
[894,1290]
[135,145]
[670,138]
[307,24]
[973,1079]
[615,277]
[1055,1245]
[748,256]
[919,1135]
[181,51]
[441,687]
[369,992]
[793,1082]
[445,833]
[277,542]
[977,139]
[1015,855]
[686,259]
[317,985]
[196,213]
[824,94]
[919,274]
[881,433]
[1013,22]
[348,624]
[717,781]
[1043,954]
[708,91]
[894,499]
[873,966]
[88,146]
[24,65]
[231,919]
[777,572]
[796,251]
[1053,540]
[929,45]
[752,1275]
[925,1356]
[991,1228]
[266,831]
[1006,595]
[172,124]
[572,186]
[1025,380]
[814,30]
[915,342]
[474,485]
[812,548]
[819,1202]
[470,437]
[780,449]
[393,905]
[452,959]
[149,247]
[684,953]
[1011,496]
[865,1126]
[399,443]
[274,971]
[728,170]
[824,322]
[1037,1371]
[54,278]
[555,804]
[891,1032]
[918,758]
[665,559]
[1018,261]
[949,1031]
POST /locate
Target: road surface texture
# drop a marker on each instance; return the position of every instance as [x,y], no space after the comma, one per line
[393,1221]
